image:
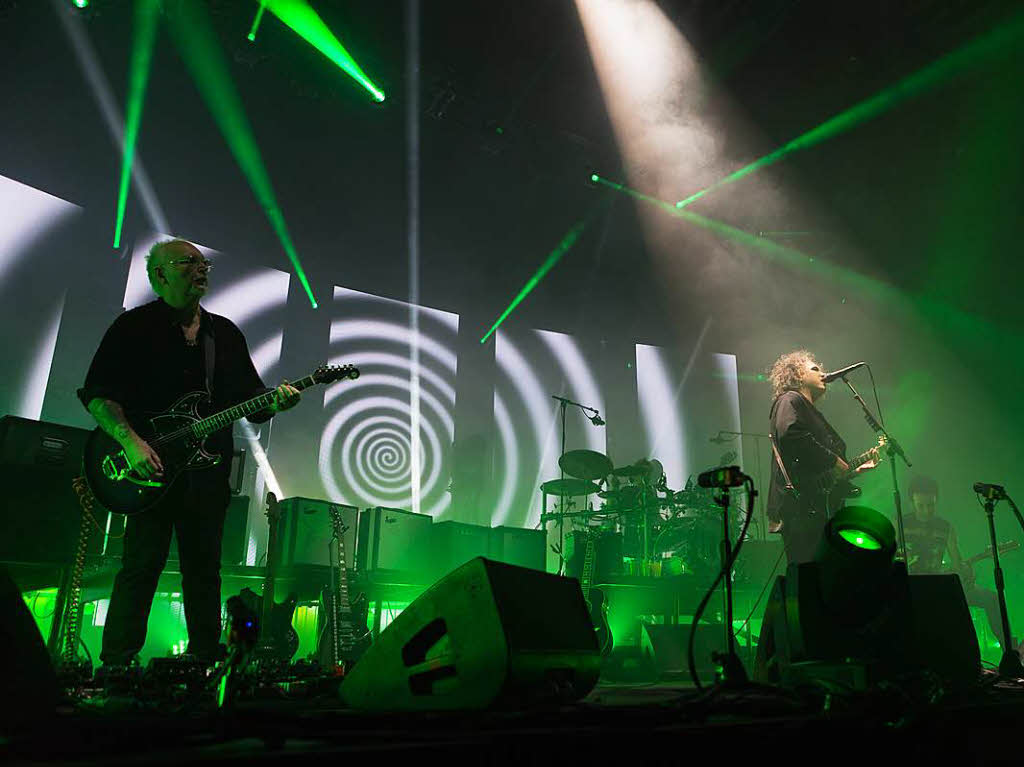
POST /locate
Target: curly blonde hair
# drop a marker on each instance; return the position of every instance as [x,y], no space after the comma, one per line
[787,371]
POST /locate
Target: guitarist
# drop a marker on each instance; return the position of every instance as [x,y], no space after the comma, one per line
[929,537]
[808,454]
[148,358]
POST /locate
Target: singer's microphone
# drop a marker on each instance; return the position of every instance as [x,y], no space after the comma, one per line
[989,491]
[724,476]
[830,377]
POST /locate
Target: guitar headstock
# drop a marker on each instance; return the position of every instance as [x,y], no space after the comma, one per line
[326,374]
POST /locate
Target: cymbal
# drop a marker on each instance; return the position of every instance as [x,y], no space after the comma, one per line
[585,464]
[568,487]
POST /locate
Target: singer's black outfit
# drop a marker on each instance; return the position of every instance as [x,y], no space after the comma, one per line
[809,447]
[145,364]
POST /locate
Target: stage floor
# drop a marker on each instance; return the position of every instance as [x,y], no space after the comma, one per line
[643,723]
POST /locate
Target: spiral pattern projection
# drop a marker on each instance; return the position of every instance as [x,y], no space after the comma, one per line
[532,366]
[369,455]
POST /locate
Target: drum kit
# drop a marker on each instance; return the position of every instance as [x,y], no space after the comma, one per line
[659,531]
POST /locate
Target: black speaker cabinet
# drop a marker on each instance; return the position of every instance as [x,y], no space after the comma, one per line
[455,543]
[665,647]
[488,634]
[306,531]
[30,684]
[40,514]
[394,539]
[518,546]
[918,623]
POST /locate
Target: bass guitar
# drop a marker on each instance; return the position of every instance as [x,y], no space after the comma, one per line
[596,604]
[178,435]
[834,487]
[345,636]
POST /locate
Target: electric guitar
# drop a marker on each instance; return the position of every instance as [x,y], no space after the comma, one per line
[278,640]
[346,636]
[596,604]
[834,487]
[967,565]
[178,435]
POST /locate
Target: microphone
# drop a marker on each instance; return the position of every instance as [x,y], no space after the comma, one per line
[596,419]
[991,492]
[830,377]
[724,476]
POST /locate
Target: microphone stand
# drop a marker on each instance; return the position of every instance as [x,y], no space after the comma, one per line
[761,514]
[563,404]
[1010,665]
[893,448]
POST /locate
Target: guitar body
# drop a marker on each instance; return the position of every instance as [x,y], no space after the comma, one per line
[279,641]
[357,640]
[106,470]
[178,435]
[598,609]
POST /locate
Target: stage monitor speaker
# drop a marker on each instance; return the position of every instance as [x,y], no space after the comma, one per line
[518,546]
[921,624]
[486,635]
[394,539]
[30,688]
[306,531]
[41,515]
[455,543]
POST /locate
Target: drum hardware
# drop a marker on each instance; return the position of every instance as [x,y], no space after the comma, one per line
[585,464]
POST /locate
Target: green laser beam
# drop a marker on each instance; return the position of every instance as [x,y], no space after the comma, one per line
[306,23]
[203,56]
[976,51]
[143,42]
[553,258]
[251,37]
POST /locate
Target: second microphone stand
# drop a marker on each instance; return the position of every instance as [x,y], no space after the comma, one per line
[893,448]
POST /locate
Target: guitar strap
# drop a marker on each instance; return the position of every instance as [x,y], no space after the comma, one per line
[208,354]
[776,526]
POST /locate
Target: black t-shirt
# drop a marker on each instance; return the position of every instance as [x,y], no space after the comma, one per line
[145,365]
[809,447]
[926,542]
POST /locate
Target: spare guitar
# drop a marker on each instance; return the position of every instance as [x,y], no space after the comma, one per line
[178,435]
[967,565]
[277,639]
[596,604]
[345,636]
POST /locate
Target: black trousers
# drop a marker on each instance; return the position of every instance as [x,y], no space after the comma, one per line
[194,510]
[801,534]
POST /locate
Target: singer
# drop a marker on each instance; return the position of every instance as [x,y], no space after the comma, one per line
[809,455]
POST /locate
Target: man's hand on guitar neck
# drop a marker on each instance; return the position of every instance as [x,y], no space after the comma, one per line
[872,462]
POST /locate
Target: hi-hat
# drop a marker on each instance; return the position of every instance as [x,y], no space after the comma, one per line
[585,464]
[568,487]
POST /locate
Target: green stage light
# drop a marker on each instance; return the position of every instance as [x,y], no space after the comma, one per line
[860,539]
[81,3]
[202,54]
[143,42]
[1003,38]
[305,22]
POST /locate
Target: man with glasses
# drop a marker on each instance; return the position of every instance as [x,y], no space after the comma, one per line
[150,357]
[808,453]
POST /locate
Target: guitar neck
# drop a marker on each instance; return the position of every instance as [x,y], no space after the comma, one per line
[228,416]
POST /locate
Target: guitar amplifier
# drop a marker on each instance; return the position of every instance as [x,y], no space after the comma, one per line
[518,546]
[394,539]
[305,532]
[41,516]
[455,543]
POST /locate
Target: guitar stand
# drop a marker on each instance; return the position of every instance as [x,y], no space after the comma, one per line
[1010,666]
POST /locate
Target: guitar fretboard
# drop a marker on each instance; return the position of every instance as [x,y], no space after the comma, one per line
[207,426]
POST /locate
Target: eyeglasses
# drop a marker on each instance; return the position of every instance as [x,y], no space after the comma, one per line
[194,262]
